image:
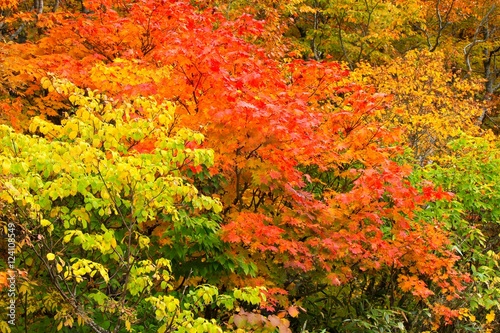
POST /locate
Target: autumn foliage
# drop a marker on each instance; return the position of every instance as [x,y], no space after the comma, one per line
[169,167]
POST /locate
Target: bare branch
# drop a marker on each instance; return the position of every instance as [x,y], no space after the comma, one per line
[468,48]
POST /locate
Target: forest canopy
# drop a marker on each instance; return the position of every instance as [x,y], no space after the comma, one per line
[249,166]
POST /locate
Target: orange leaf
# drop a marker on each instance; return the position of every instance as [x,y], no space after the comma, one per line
[293,311]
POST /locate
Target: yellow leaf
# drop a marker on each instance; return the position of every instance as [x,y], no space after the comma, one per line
[45,223]
[171,307]
[73,99]
[56,168]
[104,194]
[51,256]
[162,328]
[162,119]
[46,83]
[85,115]
[6,167]
[490,317]
[23,289]
[104,274]
[72,135]
[144,242]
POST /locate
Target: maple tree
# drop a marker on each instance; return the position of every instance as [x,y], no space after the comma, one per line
[425,38]
[304,190]
[378,32]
